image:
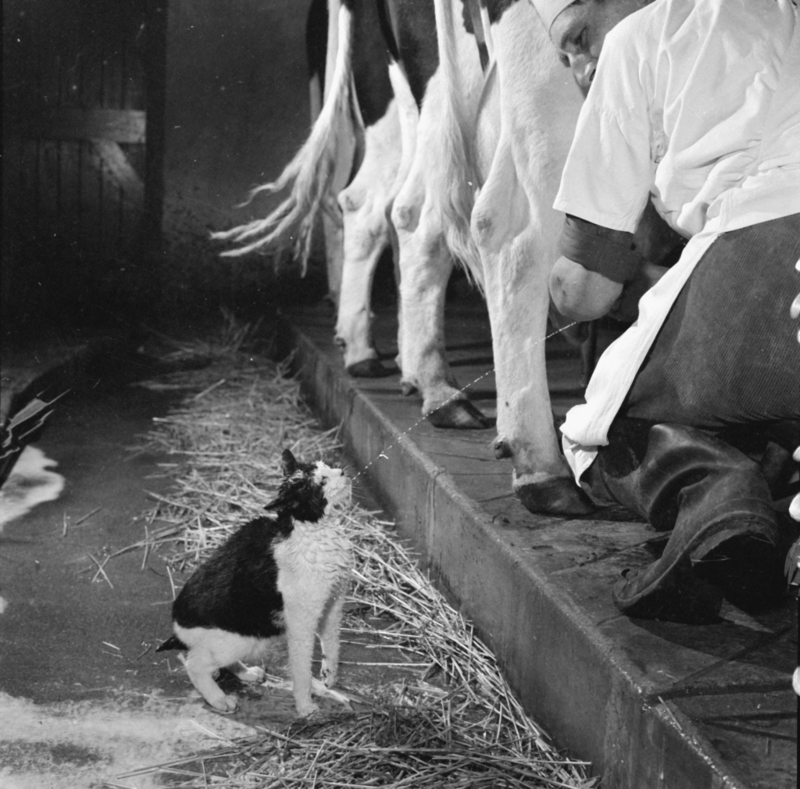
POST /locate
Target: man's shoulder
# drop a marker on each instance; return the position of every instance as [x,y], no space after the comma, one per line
[676,26]
[655,16]
[666,18]
[642,28]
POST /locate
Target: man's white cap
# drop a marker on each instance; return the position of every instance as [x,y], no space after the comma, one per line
[550,9]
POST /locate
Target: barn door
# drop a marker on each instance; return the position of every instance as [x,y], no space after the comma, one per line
[81,174]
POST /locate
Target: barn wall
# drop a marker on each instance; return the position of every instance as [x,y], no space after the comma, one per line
[75,156]
[236,111]
[121,120]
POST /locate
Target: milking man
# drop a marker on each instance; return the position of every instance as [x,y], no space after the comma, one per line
[692,414]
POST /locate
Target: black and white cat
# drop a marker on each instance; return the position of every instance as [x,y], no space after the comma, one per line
[273,576]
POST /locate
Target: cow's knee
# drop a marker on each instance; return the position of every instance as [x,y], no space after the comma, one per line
[580,294]
[404,216]
[482,229]
[350,200]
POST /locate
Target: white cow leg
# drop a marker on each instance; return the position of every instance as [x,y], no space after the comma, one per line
[408,122]
[366,234]
[516,274]
[425,267]
[517,231]
[526,432]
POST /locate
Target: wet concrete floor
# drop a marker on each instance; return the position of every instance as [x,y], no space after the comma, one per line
[83,696]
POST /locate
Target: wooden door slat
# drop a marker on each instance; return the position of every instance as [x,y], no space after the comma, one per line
[70,123]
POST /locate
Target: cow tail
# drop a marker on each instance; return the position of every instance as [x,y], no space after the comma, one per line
[408,113]
[309,174]
[456,192]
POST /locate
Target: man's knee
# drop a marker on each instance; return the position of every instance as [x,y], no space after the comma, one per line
[581,294]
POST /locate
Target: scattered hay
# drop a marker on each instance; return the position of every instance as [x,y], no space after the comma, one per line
[231,339]
[453,723]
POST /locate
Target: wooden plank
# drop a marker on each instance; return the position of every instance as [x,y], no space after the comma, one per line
[113,162]
[69,123]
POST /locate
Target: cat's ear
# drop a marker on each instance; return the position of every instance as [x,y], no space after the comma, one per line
[289,463]
[279,502]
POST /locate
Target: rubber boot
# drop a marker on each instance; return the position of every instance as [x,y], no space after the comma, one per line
[725,534]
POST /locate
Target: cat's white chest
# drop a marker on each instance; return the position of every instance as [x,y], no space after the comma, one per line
[313,560]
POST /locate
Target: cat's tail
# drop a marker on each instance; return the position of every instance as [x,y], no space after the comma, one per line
[173,642]
[23,424]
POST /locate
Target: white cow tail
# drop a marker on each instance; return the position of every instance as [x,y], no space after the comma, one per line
[408,114]
[309,174]
[456,192]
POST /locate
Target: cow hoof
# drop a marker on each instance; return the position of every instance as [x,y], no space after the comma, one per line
[458,415]
[558,496]
[368,368]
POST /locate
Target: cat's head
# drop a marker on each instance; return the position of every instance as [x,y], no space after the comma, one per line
[308,490]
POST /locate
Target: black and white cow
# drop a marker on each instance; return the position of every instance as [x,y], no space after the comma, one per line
[381,58]
[343,173]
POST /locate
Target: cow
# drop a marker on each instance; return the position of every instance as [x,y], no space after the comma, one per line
[481,157]
[356,133]
[367,124]
[488,160]
[424,260]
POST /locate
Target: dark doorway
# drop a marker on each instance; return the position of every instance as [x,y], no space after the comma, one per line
[83,87]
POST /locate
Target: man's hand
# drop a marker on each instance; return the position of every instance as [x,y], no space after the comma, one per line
[627,308]
[581,294]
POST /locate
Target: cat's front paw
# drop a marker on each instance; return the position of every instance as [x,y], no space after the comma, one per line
[306,708]
[328,675]
[224,703]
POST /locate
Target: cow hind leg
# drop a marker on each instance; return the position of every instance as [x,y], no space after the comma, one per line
[363,207]
[513,251]
[425,267]
[366,236]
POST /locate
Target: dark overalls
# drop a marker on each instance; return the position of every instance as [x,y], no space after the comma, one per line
[720,387]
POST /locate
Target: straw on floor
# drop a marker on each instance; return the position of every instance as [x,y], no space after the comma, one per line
[453,723]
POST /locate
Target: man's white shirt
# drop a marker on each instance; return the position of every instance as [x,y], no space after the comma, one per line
[695,104]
